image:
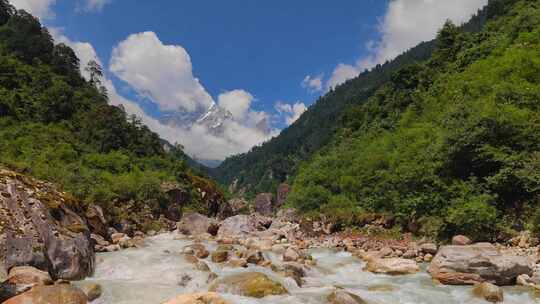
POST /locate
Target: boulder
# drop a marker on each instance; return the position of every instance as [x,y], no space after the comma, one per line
[344,297]
[241,226]
[21,279]
[198,298]
[254,257]
[392,266]
[291,255]
[461,240]
[197,224]
[281,195]
[482,262]
[488,292]
[41,228]
[249,284]
[264,203]
[91,290]
[177,199]
[428,248]
[197,249]
[529,281]
[220,256]
[55,294]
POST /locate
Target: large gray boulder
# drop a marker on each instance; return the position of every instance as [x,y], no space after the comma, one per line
[482,262]
[243,225]
[40,228]
[197,224]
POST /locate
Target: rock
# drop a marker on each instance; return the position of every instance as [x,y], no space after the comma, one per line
[202,266]
[198,298]
[198,250]
[21,279]
[242,226]
[220,256]
[112,248]
[291,255]
[282,193]
[392,266]
[428,258]
[428,248]
[41,228]
[96,220]
[410,254]
[117,237]
[99,240]
[489,292]
[55,294]
[249,284]
[91,290]
[529,281]
[29,275]
[295,271]
[254,257]
[482,262]
[197,224]
[236,263]
[264,203]
[344,297]
[461,240]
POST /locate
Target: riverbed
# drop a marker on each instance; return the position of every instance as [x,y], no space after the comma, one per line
[158,272]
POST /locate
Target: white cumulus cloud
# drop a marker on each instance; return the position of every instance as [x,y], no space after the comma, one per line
[405,24]
[38,8]
[238,102]
[290,112]
[161,72]
[313,83]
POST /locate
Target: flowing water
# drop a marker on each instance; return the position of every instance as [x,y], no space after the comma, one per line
[158,272]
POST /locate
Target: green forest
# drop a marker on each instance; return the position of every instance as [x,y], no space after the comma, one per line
[57,126]
[446,146]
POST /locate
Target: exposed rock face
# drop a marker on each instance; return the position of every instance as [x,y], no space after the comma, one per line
[197,224]
[91,290]
[282,193]
[198,298]
[489,292]
[40,228]
[96,220]
[482,262]
[264,203]
[177,199]
[243,225]
[343,297]
[56,294]
[392,266]
[21,279]
[249,284]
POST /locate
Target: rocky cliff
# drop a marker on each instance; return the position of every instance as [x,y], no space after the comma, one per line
[42,227]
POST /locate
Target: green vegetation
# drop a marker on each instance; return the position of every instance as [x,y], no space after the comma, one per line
[57,126]
[451,144]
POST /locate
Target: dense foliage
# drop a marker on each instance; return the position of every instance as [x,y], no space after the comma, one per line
[448,146]
[58,126]
[266,166]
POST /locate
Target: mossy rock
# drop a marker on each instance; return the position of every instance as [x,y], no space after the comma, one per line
[249,284]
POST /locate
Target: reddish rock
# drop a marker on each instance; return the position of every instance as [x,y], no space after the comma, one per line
[264,203]
[282,193]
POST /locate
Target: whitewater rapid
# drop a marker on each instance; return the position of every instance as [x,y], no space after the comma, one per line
[158,272]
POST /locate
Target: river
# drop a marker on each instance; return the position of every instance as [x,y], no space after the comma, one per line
[158,272]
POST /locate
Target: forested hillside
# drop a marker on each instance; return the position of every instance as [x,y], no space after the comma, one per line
[448,146]
[56,125]
[266,166]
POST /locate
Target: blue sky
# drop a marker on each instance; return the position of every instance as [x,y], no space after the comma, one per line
[266,49]
[257,59]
